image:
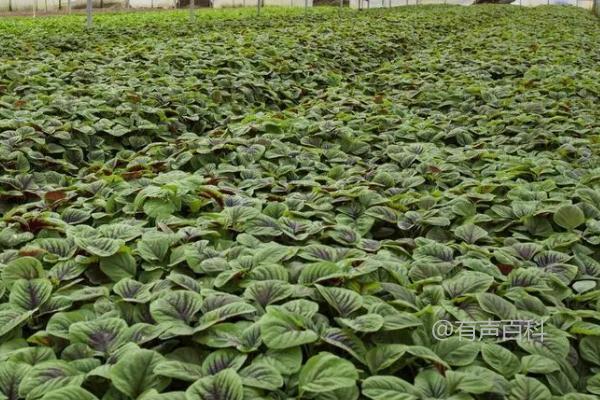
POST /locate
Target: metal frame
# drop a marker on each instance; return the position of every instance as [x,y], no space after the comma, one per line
[89,11]
[260,5]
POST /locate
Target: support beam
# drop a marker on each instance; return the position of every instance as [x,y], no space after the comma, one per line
[89,9]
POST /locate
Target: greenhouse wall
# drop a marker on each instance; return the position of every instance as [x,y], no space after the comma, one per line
[288,3]
[152,3]
[365,4]
[55,5]
[26,5]
[532,3]
[234,3]
[266,3]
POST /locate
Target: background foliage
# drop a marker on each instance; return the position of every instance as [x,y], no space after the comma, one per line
[282,207]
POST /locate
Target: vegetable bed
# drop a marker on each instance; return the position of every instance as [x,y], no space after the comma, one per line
[286,207]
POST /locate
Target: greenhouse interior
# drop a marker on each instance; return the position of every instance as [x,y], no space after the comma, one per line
[64,5]
[300,200]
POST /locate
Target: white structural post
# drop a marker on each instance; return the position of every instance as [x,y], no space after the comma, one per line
[191,10]
[68,6]
[258,7]
[89,13]
[341,4]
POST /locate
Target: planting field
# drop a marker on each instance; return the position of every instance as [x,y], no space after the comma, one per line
[294,206]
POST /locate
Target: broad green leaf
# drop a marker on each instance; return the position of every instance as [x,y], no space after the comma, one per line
[500,359]
[496,305]
[569,217]
[268,291]
[118,266]
[593,384]
[467,282]
[32,355]
[388,388]
[69,393]
[223,313]
[346,340]
[154,395]
[223,359]
[464,382]
[134,373]
[11,375]
[280,330]
[431,384]
[11,318]
[226,385]
[384,355]
[132,291]
[456,351]
[102,335]
[554,344]
[287,361]
[55,248]
[262,376]
[66,270]
[320,271]
[99,246]
[363,323]
[179,306]
[426,354]
[154,246]
[126,232]
[225,334]
[59,323]
[22,268]
[589,349]
[29,295]
[183,371]
[344,301]
[524,388]
[537,364]
[326,372]
[470,233]
[48,376]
